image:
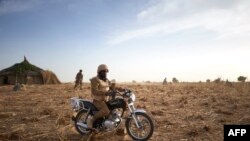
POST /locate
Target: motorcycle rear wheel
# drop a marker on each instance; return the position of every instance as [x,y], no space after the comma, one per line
[80,119]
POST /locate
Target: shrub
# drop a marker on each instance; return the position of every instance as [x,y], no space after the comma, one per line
[242,79]
[218,80]
[174,80]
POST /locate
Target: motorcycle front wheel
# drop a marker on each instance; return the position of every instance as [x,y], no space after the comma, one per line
[146,129]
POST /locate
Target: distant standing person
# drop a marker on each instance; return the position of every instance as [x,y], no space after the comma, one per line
[79,77]
[165,81]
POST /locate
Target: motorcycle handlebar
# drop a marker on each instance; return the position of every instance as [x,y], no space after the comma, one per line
[113,93]
[126,91]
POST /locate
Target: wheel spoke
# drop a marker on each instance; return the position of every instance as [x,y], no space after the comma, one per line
[143,131]
[81,119]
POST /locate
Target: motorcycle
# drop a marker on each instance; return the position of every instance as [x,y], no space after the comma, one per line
[138,123]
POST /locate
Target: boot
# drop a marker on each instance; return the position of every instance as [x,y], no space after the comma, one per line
[90,122]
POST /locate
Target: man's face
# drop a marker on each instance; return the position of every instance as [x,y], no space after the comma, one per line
[103,74]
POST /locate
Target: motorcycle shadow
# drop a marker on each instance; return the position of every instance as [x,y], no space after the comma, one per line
[69,133]
[108,137]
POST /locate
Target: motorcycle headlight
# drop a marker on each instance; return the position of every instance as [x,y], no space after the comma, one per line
[132,97]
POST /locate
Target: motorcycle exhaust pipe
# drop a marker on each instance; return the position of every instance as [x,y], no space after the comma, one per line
[82,125]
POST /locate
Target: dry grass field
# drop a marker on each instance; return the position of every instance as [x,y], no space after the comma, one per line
[182,111]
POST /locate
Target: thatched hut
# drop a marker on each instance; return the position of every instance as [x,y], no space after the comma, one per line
[26,73]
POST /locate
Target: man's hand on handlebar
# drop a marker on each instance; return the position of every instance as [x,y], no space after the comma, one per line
[114,92]
[111,93]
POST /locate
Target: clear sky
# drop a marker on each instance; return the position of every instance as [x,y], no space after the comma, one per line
[191,40]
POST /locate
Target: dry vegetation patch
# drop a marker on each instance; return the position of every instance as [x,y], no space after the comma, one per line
[183,111]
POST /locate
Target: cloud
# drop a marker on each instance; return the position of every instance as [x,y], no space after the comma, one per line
[11,6]
[226,18]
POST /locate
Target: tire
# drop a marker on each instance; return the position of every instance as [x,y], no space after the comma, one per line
[150,133]
[78,128]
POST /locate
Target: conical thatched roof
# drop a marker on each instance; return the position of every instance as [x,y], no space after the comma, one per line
[20,68]
[25,72]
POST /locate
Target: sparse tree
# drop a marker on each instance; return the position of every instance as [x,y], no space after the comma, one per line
[148,82]
[218,80]
[174,80]
[242,79]
[133,81]
[208,80]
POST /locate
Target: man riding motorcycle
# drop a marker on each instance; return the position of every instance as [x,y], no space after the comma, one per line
[100,87]
[106,112]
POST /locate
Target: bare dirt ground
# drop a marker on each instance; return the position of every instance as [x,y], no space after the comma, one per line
[182,112]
